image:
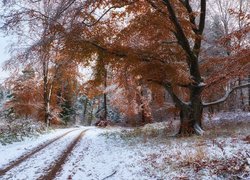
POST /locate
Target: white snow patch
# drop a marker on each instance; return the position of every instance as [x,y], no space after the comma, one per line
[12,151]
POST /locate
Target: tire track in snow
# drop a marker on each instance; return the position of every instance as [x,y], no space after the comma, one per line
[27,155]
[40,163]
[56,168]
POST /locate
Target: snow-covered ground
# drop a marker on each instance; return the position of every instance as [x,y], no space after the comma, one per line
[116,153]
[12,151]
[140,153]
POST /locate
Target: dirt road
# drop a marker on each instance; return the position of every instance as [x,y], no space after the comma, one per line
[45,160]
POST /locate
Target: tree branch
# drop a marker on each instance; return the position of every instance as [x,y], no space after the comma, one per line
[67,5]
[98,20]
[178,102]
[169,42]
[156,7]
[198,38]
[223,99]
[187,5]
[192,59]
[123,54]
[202,16]
[106,50]
[179,34]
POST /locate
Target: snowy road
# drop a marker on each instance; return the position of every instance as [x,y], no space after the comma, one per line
[76,154]
[90,153]
[42,161]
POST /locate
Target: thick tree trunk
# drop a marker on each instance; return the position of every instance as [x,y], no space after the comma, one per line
[191,114]
[190,121]
[186,126]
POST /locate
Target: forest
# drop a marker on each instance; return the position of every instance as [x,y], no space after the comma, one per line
[131,71]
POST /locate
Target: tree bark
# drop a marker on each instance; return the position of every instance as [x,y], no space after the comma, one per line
[241,96]
[46,94]
[91,116]
[191,120]
[191,112]
[105,95]
[191,117]
[249,93]
[85,110]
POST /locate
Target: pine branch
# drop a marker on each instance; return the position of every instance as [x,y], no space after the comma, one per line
[224,98]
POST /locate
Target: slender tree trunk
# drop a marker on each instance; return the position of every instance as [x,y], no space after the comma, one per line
[143,119]
[105,105]
[45,94]
[141,103]
[241,95]
[105,96]
[85,109]
[146,110]
[47,114]
[249,93]
[91,116]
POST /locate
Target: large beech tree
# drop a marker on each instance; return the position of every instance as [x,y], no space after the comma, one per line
[162,42]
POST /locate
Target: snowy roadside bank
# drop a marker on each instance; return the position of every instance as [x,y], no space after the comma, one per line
[113,153]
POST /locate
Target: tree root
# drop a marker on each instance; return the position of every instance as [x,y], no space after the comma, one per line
[189,131]
[198,130]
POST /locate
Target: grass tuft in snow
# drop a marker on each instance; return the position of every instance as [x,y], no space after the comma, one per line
[149,131]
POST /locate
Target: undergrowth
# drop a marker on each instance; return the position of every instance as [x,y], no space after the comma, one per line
[17,130]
